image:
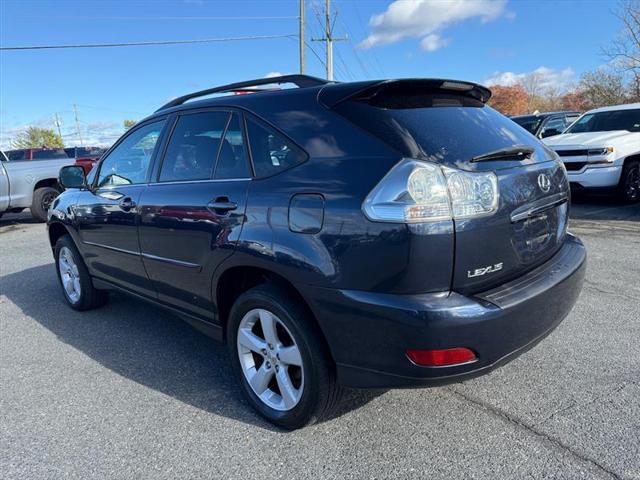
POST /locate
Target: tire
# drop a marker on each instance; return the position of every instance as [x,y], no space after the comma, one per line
[42,198]
[81,295]
[313,390]
[629,187]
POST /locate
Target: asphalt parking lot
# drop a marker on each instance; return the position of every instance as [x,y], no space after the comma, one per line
[130,391]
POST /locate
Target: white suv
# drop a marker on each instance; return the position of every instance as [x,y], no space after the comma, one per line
[601,150]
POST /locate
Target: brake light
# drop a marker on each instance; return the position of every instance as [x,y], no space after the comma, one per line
[416,191]
[441,358]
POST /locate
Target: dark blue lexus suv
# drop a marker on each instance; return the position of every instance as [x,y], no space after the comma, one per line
[395,233]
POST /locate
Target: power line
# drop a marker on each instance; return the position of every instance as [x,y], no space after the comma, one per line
[178,18]
[139,44]
[372,51]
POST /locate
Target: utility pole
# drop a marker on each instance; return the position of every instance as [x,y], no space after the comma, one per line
[329,39]
[301,36]
[75,111]
[56,121]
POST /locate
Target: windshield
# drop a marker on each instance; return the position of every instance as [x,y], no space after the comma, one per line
[628,120]
[530,124]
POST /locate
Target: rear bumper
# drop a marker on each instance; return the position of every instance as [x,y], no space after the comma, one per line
[368,333]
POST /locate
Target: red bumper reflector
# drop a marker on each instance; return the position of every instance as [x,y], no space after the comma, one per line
[439,358]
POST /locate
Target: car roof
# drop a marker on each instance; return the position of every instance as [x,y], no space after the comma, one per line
[332,92]
[546,114]
[613,108]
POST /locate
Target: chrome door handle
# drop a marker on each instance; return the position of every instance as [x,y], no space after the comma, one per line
[127,204]
[222,205]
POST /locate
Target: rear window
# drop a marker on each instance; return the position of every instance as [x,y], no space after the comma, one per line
[530,124]
[439,128]
[54,153]
[80,152]
[16,155]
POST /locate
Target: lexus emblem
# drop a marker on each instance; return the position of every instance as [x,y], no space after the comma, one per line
[544,182]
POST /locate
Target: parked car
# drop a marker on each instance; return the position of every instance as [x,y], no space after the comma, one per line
[36,154]
[546,124]
[601,151]
[32,184]
[86,157]
[394,233]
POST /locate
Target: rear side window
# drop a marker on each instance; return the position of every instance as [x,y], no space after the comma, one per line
[271,152]
[440,128]
[232,160]
[194,145]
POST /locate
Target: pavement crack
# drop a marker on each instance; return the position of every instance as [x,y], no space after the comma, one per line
[596,287]
[533,430]
[574,404]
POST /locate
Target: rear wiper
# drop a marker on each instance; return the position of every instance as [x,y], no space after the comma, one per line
[517,152]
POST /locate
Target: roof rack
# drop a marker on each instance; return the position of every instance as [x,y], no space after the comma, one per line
[301,81]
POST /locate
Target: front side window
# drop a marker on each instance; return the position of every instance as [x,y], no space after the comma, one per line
[271,152]
[554,126]
[194,146]
[129,162]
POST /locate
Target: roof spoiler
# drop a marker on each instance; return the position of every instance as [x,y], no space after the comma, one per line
[301,81]
[336,93]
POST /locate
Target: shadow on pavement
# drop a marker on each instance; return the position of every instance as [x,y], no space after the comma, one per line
[602,207]
[145,344]
[17,219]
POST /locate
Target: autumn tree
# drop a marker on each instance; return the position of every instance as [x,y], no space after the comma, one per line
[507,100]
[573,101]
[601,88]
[36,137]
[128,124]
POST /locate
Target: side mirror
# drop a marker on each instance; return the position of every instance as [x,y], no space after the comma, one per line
[550,132]
[72,176]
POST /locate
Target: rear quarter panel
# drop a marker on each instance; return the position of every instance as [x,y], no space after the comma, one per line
[350,251]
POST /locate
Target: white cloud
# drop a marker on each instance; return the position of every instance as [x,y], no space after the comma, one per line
[433,42]
[100,133]
[542,78]
[273,74]
[426,19]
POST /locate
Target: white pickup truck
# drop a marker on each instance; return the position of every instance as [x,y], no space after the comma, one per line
[601,151]
[29,184]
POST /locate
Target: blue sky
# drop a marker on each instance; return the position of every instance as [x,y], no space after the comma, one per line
[480,40]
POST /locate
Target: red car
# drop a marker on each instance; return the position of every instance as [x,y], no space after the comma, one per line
[86,157]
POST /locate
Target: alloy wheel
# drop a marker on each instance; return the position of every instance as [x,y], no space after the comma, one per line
[270,359]
[69,274]
[632,183]
[47,200]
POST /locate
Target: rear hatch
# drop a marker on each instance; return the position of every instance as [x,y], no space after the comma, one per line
[448,123]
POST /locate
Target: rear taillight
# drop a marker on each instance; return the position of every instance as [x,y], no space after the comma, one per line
[441,358]
[415,191]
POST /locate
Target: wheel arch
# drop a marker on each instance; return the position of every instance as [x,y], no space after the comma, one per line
[631,158]
[58,229]
[237,279]
[47,182]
